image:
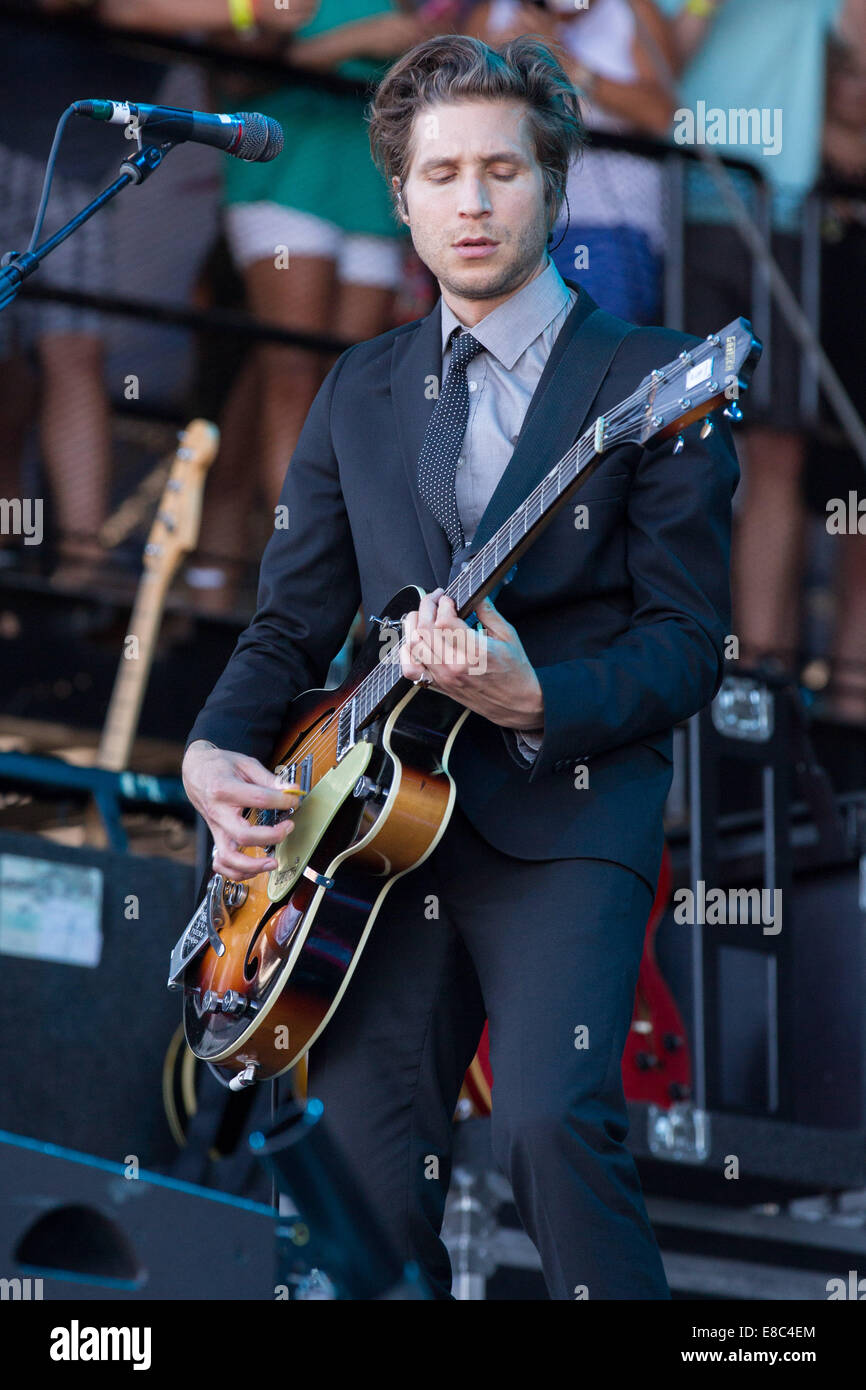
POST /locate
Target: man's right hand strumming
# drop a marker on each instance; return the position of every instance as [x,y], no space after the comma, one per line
[221,784]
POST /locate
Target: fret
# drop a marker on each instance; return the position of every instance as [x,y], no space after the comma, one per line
[378,683]
[627,423]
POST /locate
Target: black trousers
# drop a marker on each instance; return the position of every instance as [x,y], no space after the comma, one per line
[549,951]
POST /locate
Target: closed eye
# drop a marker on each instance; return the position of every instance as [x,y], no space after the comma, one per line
[503,178]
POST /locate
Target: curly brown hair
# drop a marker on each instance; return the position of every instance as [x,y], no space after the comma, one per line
[457,67]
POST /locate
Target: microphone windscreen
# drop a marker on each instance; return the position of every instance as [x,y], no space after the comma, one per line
[262,138]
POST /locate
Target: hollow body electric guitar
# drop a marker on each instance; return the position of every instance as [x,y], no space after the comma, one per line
[263,963]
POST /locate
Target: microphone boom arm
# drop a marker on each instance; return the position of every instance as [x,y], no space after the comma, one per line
[16,266]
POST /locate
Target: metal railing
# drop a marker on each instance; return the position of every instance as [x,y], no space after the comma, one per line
[674,160]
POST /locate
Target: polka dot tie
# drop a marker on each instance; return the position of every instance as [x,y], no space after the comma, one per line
[443,440]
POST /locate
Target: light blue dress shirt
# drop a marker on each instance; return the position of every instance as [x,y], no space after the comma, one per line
[518,337]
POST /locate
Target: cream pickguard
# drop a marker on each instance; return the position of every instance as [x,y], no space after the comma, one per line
[312,818]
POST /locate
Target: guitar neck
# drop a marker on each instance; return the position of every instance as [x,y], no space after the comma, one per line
[127,696]
[174,534]
[494,560]
[695,383]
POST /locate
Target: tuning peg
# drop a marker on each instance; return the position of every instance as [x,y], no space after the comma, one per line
[733,412]
[707,428]
[680,444]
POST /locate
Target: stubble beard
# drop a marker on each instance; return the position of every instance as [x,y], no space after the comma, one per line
[527,250]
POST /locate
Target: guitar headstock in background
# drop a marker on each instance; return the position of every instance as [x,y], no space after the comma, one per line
[175,529]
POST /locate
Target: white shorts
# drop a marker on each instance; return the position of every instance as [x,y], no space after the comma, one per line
[255,230]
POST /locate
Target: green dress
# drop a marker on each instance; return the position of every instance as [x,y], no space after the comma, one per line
[325,167]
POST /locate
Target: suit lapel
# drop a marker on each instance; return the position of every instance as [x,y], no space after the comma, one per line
[550,425]
[413,368]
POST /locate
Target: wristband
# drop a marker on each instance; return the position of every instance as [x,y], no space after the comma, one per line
[703,9]
[242,14]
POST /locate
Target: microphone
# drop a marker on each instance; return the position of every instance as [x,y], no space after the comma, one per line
[248,135]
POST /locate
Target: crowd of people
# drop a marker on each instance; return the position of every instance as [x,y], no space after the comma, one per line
[314,245]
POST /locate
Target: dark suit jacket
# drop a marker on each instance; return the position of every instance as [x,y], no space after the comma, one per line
[624,621]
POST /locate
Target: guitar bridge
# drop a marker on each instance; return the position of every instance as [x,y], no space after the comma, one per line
[223,898]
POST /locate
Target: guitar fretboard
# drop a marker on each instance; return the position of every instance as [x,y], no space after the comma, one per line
[467,587]
[670,396]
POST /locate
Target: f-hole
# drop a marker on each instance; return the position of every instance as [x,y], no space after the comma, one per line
[251,963]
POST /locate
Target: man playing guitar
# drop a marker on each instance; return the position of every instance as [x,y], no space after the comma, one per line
[531,908]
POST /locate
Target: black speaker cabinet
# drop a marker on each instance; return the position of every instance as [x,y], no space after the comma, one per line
[73,1226]
[85,1018]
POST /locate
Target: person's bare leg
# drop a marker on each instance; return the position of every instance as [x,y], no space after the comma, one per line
[362,311]
[19,396]
[216,568]
[848,699]
[768,546]
[76,440]
[299,296]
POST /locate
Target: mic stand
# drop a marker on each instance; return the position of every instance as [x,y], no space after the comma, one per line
[336,1228]
[16,266]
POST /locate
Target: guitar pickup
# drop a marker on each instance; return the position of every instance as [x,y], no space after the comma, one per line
[296,773]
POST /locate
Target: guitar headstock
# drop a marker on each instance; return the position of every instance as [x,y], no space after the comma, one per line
[711,375]
[174,532]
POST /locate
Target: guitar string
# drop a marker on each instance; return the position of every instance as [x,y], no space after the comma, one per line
[392,661]
[616,418]
[621,415]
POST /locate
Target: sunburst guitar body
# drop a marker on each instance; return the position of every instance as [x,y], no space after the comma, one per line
[291,938]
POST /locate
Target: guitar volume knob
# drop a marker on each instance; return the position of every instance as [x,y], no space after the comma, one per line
[645,1061]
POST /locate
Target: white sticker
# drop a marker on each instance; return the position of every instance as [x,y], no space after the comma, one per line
[50,910]
[699,373]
